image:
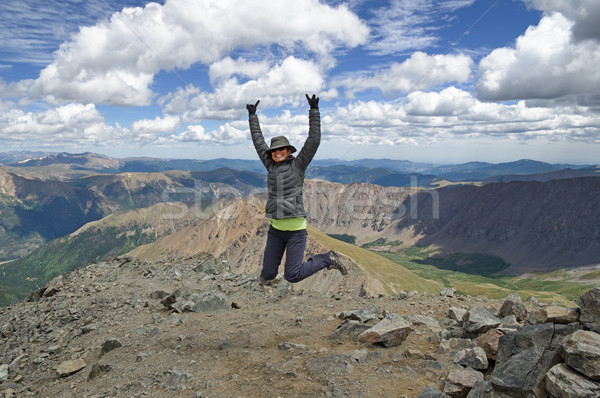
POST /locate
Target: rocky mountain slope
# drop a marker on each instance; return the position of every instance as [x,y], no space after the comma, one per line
[532,225]
[190,327]
[35,211]
[237,235]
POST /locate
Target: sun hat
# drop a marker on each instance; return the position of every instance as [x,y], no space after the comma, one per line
[279,142]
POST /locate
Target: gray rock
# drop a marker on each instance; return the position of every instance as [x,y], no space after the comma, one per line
[524,373]
[459,382]
[432,392]
[349,328]
[589,303]
[564,382]
[363,315]
[110,345]
[203,302]
[453,345]
[546,335]
[473,358]
[3,372]
[448,292]
[176,379]
[457,314]
[582,352]
[99,370]
[333,365]
[481,389]
[391,331]
[513,305]
[562,315]
[479,320]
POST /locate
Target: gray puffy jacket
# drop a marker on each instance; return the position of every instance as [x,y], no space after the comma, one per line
[285,179]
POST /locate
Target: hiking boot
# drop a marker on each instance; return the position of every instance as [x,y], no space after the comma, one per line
[262,281]
[336,263]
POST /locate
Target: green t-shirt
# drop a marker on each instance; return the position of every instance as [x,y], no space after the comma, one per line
[289,224]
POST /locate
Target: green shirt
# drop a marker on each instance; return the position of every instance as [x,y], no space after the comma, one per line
[289,224]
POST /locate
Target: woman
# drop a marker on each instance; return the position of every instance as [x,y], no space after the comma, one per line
[285,206]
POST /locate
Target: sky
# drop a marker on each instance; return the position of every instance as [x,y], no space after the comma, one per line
[437,81]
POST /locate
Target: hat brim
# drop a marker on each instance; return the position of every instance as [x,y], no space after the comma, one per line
[268,151]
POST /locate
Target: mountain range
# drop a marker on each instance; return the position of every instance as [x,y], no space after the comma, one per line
[61,211]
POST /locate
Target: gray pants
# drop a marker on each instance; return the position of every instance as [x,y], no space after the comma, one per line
[295,244]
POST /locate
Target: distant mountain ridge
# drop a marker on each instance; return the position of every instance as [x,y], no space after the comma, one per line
[385,172]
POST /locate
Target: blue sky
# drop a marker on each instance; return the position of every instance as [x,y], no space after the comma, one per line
[430,80]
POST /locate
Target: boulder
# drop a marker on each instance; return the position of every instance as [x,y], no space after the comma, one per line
[482,389]
[479,320]
[70,367]
[110,345]
[546,335]
[176,379]
[457,314]
[564,382]
[589,304]
[349,328]
[390,332]
[432,392]
[513,305]
[474,358]
[203,302]
[489,342]
[453,345]
[562,315]
[448,292]
[524,373]
[363,315]
[581,351]
[459,382]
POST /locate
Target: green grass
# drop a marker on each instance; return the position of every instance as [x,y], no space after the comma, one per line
[591,275]
[381,271]
[492,285]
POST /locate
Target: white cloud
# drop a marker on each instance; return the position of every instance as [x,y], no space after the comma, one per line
[114,62]
[420,71]
[283,83]
[158,125]
[544,64]
[584,13]
[451,113]
[70,124]
[450,101]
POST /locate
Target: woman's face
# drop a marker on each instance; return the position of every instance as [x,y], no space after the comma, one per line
[281,154]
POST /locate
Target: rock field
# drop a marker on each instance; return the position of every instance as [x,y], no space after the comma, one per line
[188,327]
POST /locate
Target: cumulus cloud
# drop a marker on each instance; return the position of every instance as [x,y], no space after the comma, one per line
[420,71]
[431,116]
[283,83]
[68,124]
[545,63]
[584,13]
[156,126]
[114,62]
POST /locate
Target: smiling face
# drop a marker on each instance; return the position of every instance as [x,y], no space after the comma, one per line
[280,154]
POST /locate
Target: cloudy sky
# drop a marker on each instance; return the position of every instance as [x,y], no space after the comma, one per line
[440,81]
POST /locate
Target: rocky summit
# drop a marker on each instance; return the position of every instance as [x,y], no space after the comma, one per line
[190,327]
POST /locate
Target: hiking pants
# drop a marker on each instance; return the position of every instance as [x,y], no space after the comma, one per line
[294,243]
